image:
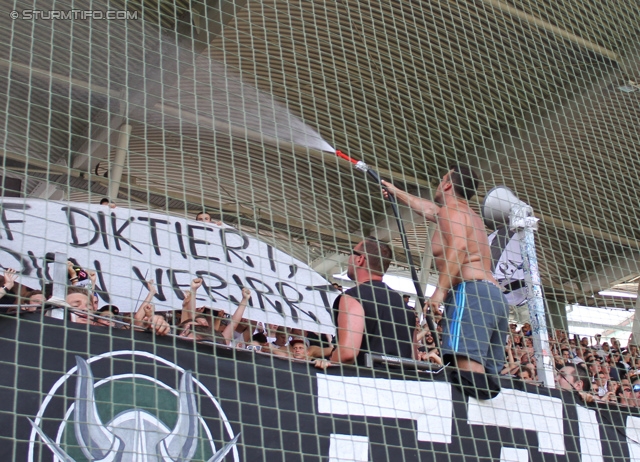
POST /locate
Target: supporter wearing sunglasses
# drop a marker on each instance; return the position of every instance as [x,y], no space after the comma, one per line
[628,396]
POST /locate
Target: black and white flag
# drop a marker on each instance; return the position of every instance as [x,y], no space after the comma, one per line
[507,265]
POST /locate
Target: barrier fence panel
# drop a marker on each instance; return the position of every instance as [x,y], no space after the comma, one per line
[70,386]
[309,230]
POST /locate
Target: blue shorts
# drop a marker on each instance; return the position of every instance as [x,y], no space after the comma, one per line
[476,324]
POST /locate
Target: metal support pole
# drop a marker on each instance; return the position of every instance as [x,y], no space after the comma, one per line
[60,276]
[522,221]
[635,330]
[115,174]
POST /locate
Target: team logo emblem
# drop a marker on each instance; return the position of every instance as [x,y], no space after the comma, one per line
[132,434]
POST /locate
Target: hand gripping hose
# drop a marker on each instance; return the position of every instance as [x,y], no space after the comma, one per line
[360,165]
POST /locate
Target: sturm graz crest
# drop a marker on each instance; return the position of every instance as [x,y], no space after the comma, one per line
[131,417]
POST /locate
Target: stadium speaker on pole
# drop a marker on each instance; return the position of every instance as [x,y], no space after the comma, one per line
[499,204]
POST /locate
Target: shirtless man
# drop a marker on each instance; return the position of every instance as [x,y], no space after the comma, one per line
[476,312]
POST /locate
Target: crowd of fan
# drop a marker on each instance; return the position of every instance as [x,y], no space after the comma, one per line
[196,323]
[599,371]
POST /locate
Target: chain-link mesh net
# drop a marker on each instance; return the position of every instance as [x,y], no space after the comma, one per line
[190,188]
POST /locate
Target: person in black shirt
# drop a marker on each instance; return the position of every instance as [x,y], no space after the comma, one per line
[371,317]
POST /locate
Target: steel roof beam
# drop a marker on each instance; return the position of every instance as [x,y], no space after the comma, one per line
[555,30]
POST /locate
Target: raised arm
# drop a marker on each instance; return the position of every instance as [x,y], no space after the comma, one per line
[189,302]
[145,309]
[227,333]
[145,315]
[9,281]
[423,207]
[511,364]
[73,276]
[93,277]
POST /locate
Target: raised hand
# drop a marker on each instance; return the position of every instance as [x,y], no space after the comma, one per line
[149,310]
[246,294]
[70,270]
[196,284]
[93,277]
[151,286]
[9,278]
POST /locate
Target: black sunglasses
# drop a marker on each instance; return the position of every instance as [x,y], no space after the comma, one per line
[356,253]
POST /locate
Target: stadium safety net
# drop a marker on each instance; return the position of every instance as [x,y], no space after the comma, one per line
[310,230]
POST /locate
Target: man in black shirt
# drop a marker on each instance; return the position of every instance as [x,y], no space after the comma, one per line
[371,317]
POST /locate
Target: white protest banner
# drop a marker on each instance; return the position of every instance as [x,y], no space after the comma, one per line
[127,247]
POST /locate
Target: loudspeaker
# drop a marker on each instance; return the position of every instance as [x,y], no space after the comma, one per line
[497,206]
